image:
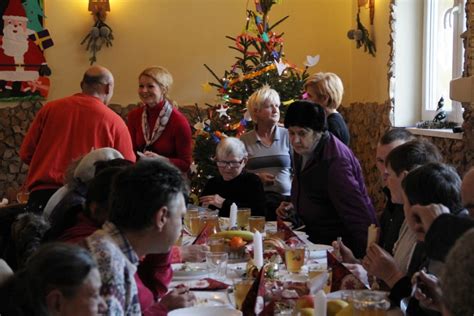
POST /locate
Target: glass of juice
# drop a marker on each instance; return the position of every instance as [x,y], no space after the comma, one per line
[216,244]
[210,218]
[195,224]
[192,210]
[241,288]
[295,258]
[243,215]
[257,223]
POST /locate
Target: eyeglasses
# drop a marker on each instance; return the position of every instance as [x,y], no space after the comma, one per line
[230,164]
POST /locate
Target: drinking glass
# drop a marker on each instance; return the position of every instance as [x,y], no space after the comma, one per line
[243,215]
[295,258]
[195,224]
[216,244]
[192,210]
[210,218]
[257,223]
[217,264]
[370,303]
[275,233]
[241,288]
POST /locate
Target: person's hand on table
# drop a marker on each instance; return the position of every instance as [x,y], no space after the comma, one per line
[427,290]
[381,264]
[423,216]
[194,253]
[214,199]
[285,209]
[346,252]
[179,297]
[266,178]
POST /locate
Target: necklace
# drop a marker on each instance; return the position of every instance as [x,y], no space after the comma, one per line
[160,124]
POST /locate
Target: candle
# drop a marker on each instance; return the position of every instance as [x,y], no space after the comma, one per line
[233,216]
[320,302]
[258,249]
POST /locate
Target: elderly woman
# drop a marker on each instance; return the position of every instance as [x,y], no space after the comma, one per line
[326,89]
[328,190]
[234,185]
[268,148]
[157,128]
[59,279]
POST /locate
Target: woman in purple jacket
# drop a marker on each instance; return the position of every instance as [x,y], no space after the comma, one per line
[328,191]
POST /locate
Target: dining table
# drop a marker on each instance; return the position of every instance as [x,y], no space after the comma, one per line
[236,270]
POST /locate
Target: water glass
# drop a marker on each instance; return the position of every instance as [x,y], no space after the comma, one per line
[217,264]
[370,303]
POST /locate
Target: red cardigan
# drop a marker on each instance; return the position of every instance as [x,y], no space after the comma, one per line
[175,143]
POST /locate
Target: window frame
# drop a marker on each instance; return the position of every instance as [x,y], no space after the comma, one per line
[429,72]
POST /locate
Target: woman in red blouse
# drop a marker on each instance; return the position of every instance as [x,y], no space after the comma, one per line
[157,128]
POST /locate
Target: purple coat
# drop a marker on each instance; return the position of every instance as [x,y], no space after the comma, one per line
[329,195]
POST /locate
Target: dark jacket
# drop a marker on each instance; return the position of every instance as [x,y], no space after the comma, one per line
[390,223]
[329,195]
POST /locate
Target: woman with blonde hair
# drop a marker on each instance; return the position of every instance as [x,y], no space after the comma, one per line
[269,150]
[326,89]
[157,128]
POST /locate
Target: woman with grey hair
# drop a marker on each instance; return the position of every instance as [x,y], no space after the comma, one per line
[269,150]
[233,185]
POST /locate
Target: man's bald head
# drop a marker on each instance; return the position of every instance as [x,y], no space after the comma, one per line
[98,81]
[467,191]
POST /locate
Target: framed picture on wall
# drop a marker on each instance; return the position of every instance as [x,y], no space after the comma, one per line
[24,72]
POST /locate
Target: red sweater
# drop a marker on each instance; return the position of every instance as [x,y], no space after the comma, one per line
[66,129]
[175,143]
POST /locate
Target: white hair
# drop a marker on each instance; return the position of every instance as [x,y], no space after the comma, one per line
[259,97]
[231,146]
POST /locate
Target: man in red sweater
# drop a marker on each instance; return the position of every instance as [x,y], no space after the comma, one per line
[66,129]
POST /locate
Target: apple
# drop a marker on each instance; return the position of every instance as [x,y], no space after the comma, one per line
[306,311]
[305,301]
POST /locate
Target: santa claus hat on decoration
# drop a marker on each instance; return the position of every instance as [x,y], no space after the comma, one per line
[16,11]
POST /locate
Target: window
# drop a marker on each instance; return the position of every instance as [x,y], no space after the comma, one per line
[443,55]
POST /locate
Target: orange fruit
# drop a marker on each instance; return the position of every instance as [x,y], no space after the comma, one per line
[236,242]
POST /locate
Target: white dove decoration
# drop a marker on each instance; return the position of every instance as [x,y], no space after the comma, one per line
[311,61]
[281,66]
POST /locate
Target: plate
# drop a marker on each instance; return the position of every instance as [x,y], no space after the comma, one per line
[197,271]
[212,299]
[206,311]
[318,250]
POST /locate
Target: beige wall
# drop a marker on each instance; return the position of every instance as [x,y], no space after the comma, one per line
[182,35]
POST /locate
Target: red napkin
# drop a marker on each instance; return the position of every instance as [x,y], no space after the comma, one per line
[289,234]
[207,284]
[203,236]
[342,278]
[254,303]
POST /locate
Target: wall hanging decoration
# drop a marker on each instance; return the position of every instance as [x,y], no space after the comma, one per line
[23,69]
[101,33]
[360,34]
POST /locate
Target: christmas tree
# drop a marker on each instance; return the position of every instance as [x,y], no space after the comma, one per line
[260,61]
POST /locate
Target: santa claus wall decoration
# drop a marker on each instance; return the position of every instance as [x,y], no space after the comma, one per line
[23,68]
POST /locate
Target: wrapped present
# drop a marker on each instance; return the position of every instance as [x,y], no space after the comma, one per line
[342,278]
[42,39]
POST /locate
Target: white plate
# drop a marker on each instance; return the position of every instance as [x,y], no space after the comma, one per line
[206,311]
[198,271]
[212,299]
[319,250]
